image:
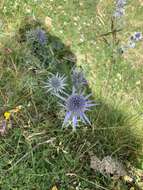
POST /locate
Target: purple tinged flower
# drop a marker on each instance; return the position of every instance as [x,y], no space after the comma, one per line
[119,12]
[78,78]
[37,35]
[41,36]
[121,3]
[3,128]
[137,36]
[76,105]
[120,8]
[55,84]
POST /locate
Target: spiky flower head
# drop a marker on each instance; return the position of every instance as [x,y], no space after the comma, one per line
[121,3]
[37,35]
[55,84]
[41,36]
[78,78]
[137,36]
[76,105]
[119,12]
[120,8]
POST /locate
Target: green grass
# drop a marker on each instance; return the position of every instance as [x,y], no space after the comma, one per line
[36,153]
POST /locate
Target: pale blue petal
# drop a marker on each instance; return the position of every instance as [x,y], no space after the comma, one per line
[88,96]
[67,117]
[86,119]
[89,105]
[74,120]
[82,118]
[73,90]
[90,101]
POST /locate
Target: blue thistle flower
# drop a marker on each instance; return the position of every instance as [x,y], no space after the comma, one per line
[120,8]
[119,12]
[78,78]
[41,36]
[121,3]
[132,41]
[55,84]
[76,105]
[136,37]
[37,35]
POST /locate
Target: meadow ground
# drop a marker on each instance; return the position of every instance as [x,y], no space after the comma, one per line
[35,152]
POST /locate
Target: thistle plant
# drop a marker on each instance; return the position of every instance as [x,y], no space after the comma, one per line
[137,36]
[78,78]
[41,36]
[37,35]
[119,12]
[55,84]
[75,106]
[120,8]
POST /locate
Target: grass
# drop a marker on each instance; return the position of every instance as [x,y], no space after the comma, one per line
[36,153]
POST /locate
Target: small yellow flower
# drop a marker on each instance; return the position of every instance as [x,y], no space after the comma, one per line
[7,115]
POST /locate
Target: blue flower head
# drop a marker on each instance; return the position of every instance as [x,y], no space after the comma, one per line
[119,12]
[78,78]
[137,36]
[55,84]
[120,3]
[41,36]
[76,105]
[120,8]
[37,35]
